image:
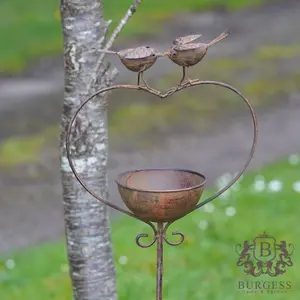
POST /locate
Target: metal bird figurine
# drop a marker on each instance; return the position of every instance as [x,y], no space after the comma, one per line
[187,54]
[137,59]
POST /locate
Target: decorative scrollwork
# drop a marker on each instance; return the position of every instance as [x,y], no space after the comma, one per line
[142,235]
[173,233]
[175,243]
[145,245]
[157,235]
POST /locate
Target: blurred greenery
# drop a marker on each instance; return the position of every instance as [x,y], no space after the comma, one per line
[31,29]
[19,150]
[203,267]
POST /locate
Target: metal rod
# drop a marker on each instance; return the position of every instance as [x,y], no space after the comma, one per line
[138,79]
[183,75]
[159,262]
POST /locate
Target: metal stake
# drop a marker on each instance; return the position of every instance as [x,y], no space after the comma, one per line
[148,204]
[159,263]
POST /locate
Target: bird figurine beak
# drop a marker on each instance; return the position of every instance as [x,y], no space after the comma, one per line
[160,54]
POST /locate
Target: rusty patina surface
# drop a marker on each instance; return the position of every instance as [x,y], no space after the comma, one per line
[187,54]
[137,59]
[161,195]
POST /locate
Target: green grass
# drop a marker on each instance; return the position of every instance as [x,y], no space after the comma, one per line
[31,29]
[203,267]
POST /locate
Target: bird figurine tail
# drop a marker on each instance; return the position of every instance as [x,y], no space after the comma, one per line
[222,36]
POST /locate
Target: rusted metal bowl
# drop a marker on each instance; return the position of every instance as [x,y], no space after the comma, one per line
[160,195]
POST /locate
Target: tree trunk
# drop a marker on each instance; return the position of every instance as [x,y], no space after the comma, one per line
[86,220]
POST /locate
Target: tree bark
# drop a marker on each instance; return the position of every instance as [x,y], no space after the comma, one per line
[86,220]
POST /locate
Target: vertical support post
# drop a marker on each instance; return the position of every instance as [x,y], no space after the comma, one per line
[159,262]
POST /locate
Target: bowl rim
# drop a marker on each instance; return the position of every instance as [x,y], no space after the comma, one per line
[160,169]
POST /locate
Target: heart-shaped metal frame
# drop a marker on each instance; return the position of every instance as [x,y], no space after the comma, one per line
[162,96]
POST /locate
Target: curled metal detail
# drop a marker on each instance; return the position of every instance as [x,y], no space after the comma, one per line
[175,243]
[137,240]
[142,235]
[157,234]
[173,233]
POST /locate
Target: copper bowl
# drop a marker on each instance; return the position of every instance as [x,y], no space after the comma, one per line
[161,195]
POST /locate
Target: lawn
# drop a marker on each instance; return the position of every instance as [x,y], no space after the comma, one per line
[203,267]
[31,29]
